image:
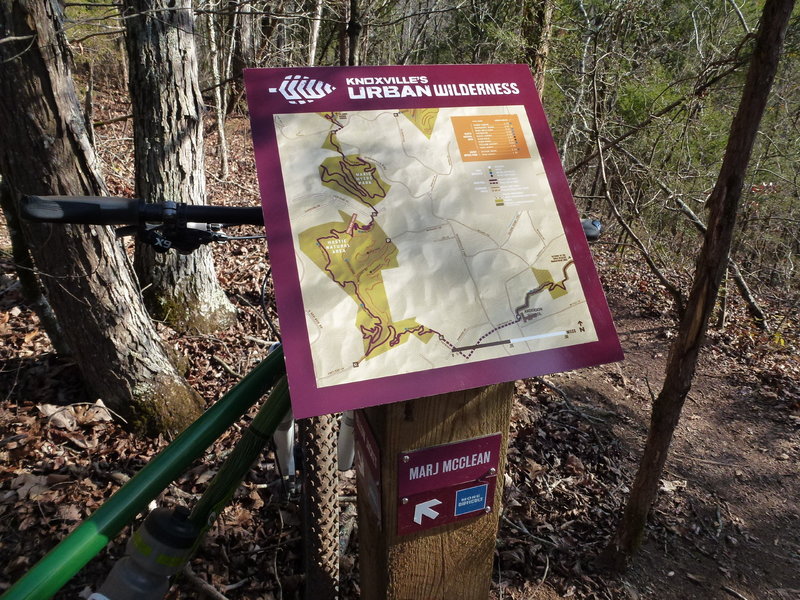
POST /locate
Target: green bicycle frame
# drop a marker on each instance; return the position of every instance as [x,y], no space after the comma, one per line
[91,536]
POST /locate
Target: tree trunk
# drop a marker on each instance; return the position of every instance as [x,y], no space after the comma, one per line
[537,23]
[217,79]
[313,39]
[353,33]
[723,204]
[243,54]
[44,149]
[168,143]
[343,26]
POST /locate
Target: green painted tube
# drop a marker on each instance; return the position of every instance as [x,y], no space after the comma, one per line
[78,548]
[223,486]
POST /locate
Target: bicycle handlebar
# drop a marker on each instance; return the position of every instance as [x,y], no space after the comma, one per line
[91,210]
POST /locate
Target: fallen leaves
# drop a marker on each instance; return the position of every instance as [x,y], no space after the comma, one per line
[565,487]
[62,417]
[567,477]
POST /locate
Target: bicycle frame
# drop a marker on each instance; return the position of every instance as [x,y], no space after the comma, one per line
[57,567]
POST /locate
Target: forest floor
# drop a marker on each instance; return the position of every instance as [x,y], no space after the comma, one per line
[726,524]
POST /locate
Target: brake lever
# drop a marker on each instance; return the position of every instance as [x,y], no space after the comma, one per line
[183,239]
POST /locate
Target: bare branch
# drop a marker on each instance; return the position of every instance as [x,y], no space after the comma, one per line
[16,38]
[740,15]
[696,92]
[758,314]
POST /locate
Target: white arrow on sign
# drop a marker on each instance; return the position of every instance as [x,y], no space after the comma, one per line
[425,509]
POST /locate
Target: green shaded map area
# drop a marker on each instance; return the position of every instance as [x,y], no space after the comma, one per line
[546,282]
[423,119]
[355,177]
[349,174]
[354,255]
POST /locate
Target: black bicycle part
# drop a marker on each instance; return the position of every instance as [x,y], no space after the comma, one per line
[83,210]
[162,225]
[91,210]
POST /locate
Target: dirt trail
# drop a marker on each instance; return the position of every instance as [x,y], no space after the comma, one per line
[727,521]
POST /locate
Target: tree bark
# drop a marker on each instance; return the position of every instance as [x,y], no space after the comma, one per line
[217,79]
[168,144]
[243,51]
[90,285]
[537,23]
[353,33]
[343,26]
[313,38]
[713,259]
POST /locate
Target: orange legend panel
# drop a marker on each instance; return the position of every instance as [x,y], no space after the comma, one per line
[490,137]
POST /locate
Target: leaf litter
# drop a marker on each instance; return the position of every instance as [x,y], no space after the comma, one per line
[573,446]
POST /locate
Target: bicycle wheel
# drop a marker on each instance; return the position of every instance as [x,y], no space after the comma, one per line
[320,475]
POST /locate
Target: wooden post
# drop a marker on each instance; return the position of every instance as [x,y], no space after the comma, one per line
[450,561]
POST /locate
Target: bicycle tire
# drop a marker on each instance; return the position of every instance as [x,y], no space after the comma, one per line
[320,475]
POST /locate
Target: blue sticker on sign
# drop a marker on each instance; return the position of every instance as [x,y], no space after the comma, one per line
[471,499]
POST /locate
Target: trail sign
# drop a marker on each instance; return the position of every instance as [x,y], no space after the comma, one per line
[445,483]
[422,233]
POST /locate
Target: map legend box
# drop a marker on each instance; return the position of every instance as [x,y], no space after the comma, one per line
[490,137]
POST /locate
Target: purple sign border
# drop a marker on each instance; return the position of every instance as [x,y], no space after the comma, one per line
[310,400]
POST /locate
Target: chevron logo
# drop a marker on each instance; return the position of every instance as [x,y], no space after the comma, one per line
[298,89]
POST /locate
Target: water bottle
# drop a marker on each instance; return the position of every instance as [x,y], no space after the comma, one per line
[154,553]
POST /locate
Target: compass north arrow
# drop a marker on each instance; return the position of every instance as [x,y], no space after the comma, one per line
[425,509]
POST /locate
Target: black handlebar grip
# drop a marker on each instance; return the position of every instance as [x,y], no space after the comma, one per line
[86,210]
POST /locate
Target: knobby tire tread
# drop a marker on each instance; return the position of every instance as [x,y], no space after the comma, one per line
[317,438]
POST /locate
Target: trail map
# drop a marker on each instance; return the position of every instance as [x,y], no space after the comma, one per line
[434,243]
[420,243]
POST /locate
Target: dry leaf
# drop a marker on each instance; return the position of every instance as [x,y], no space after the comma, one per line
[671,486]
[68,512]
[574,465]
[81,441]
[28,485]
[534,469]
[62,417]
[96,413]
[56,478]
